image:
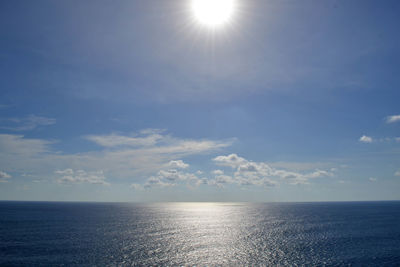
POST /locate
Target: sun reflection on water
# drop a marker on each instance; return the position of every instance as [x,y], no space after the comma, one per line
[206,231]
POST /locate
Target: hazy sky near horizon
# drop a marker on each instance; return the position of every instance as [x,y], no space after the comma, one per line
[135,101]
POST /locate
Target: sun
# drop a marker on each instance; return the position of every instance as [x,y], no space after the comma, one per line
[213,13]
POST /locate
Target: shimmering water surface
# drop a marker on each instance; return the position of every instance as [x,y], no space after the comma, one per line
[230,234]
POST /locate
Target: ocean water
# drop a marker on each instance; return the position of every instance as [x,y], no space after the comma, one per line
[200,234]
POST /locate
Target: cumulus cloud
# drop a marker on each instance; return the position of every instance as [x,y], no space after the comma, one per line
[65,172]
[4,176]
[131,161]
[69,176]
[137,186]
[25,124]
[175,175]
[177,164]
[171,177]
[218,172]
[219,181]
[393,118]
[262,174]
[366,139]
[156,181]
[231,160]
[244,173]
[172,174]
[148,153]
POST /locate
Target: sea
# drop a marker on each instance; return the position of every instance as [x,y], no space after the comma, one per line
[200,234]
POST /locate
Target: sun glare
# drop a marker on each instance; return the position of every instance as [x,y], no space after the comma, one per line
[213,13]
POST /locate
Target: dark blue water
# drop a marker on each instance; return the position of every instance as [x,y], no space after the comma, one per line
[354,233]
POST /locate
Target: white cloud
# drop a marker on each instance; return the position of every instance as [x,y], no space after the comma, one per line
[299,166]
[65,172]
[231,160]
[137,186]
[262,171]
[69,176]
[393,118]
[218,172]
[177,164]
[4,177]
[171,177]
[372,179]
[319,173]
[262,174]
[397,173]
[224,179]
[152,131]
[172,174]
[130,162]
[25,124]
[16,145]
[161,160]
[115,140]
[382,139]
[244,173]
[366,139]
[155,181]
[221,180]
[303,178]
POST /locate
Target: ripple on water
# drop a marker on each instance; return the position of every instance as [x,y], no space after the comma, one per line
[200,234]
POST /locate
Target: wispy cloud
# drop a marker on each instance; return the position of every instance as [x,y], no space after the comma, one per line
[18,147]
[115,140]
[151,142]
[160,160]
[130,161]
[365,139]
[372,179]
[301,166]
[4,177]
[26,124]
[397,173]
[69,176]
[393,119]
[368,139]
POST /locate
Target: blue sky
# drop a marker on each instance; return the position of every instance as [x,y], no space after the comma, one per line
[135,101]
